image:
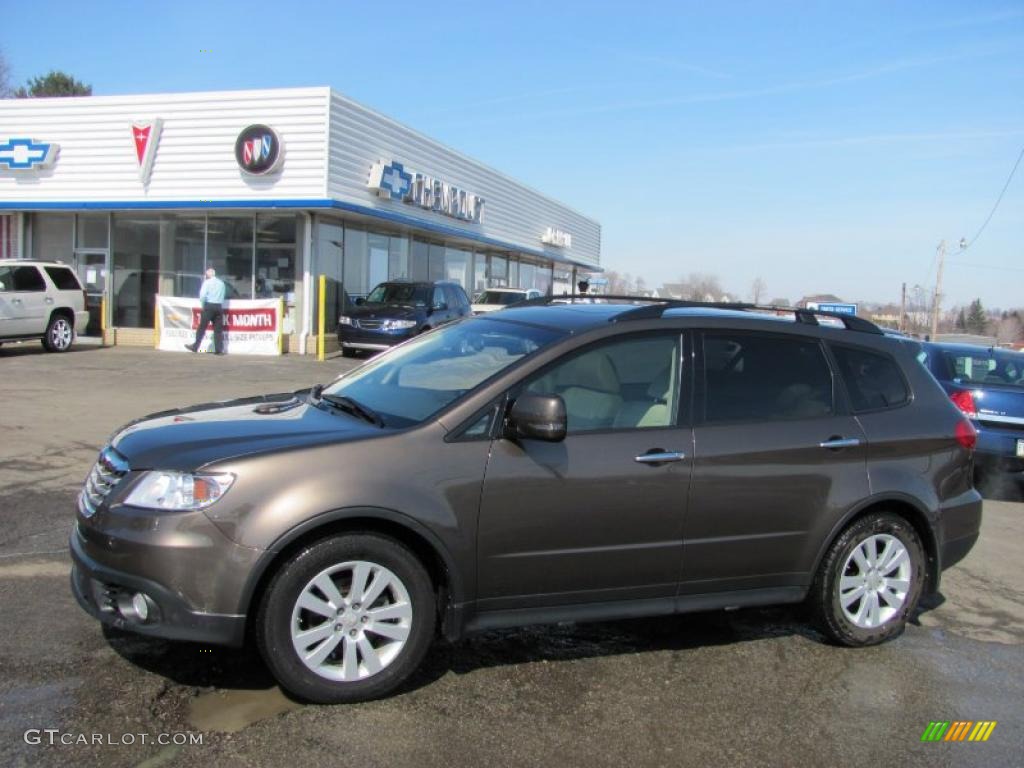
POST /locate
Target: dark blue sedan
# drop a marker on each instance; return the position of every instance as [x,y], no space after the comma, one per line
[987,384]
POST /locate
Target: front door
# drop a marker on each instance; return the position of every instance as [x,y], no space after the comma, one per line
[92,274]
[596,517]
[777,463]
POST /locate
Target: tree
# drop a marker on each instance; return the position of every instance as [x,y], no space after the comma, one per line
[977,320]
[5,78]
[699,286]
[757,289]
[54,83]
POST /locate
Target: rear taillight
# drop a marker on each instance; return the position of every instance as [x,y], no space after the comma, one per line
[966,435]
[964,400]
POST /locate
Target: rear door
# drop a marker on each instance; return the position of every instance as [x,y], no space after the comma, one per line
[777,461]
[29,302]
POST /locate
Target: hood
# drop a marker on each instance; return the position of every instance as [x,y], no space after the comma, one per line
[188,438]
[386,311]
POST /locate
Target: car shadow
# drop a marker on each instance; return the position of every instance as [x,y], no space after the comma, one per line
[202,666]
[33,348]
[1002,486]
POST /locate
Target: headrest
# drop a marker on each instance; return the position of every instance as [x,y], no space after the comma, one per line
[591,371]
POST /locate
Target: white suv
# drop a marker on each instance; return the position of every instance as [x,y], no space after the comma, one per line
[41,300]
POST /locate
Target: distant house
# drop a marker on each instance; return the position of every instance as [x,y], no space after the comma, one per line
[819,298]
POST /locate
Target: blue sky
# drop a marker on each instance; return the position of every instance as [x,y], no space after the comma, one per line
[825,147]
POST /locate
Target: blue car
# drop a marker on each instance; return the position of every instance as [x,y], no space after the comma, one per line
[987,384]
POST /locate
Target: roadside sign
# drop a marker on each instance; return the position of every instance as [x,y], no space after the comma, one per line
[836,307]
[598,281]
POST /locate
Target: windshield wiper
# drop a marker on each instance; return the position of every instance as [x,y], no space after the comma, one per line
[354,407]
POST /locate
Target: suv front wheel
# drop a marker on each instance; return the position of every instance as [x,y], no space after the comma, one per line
[347,619]
[59,334]
[870,581]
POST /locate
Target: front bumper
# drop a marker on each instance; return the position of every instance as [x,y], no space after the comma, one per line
[98,589]
[360,338]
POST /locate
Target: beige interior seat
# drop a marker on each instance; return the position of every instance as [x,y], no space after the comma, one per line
[652,412]
[590,388]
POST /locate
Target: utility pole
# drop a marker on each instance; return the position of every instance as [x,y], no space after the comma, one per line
[937,299]
[903,310]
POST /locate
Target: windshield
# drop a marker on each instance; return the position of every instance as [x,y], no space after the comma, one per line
[398,293]
[408,385]
[500,297]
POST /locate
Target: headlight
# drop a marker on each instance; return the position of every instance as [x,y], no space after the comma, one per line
[398,325]
[178,491]
[345,320]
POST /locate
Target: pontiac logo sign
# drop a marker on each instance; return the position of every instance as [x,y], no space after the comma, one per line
[258,150]
[27,154]
[391,181]
[146,135]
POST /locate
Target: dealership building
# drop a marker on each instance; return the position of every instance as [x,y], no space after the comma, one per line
[272,188]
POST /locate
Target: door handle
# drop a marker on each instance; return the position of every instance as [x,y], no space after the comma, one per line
[48,300]
[660,457]
[15,301]
[835,443]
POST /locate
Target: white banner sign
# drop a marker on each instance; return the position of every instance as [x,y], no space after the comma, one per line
[251,327]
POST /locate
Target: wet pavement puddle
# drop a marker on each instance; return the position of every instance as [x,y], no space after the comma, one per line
[233,710]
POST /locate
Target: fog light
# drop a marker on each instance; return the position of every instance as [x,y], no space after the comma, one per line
[135,607]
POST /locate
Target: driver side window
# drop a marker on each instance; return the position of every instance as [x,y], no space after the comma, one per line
[625,384]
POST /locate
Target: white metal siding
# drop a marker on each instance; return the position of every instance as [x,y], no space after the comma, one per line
[513,213]
[195,158]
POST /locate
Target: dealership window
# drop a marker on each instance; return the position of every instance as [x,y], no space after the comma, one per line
[92,230]
[513,272]
[418,267]
[53,236]
[275,257]
[498,272]
[479,273]
[456,266]
[229,250]
[435,262]
[398,257]
[527,273]
[136,269]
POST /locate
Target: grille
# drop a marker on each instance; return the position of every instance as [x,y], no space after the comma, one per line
[110,467]
[370,325]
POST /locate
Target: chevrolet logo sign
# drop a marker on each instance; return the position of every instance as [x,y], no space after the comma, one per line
[26,154]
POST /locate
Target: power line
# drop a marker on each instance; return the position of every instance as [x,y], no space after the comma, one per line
[999,199]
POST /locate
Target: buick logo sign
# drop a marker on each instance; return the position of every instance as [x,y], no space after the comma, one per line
[258,150]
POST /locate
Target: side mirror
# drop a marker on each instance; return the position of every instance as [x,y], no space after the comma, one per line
[360,302]
[538,417]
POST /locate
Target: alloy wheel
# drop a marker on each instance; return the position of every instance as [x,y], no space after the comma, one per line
[60,334]
[351,621]
[874,581]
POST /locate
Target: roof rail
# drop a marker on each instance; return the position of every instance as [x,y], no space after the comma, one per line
[655,308]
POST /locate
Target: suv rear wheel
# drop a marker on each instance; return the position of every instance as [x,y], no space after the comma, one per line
[870,581]
[59,334]
[347,619]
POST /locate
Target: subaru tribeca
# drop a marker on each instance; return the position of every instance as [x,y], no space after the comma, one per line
[572,461]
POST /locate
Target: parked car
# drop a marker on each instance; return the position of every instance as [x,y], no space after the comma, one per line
[41,300]
[494,299]
[987,384]
[398,310]
[548,463]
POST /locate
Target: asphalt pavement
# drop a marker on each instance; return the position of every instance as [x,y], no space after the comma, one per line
[742,688]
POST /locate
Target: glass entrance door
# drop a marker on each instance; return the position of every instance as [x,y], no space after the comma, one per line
[92,272]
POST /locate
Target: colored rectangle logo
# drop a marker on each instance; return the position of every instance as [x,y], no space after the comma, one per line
[958,730]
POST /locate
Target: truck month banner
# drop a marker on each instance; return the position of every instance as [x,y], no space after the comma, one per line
[251,326]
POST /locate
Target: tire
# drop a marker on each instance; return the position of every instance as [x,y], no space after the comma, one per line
[848,569]
[332,676]
[60,333]
[346,352]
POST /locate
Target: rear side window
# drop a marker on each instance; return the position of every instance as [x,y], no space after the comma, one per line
[874,381]
[984,368]
[750,377]
[28,279]
[63,278]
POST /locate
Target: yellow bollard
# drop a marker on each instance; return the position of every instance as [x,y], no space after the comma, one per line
[320,320]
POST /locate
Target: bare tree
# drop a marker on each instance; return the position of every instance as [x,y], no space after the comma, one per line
[700,286]
[5,78]
[757,289]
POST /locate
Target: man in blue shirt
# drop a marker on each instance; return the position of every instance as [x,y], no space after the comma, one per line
[211,296]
